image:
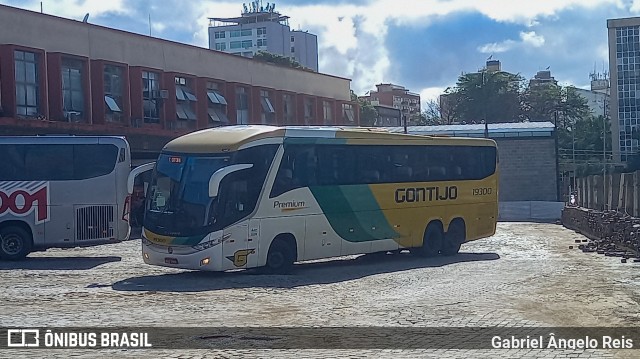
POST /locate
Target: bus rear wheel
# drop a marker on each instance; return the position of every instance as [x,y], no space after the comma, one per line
[431,241]
[15,243]
[453,239]
[280,258]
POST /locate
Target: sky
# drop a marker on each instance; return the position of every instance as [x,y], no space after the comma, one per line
[423,45]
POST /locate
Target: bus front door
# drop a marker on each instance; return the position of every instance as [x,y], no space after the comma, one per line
[235,249]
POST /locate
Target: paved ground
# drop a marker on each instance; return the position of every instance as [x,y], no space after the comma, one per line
[523,276]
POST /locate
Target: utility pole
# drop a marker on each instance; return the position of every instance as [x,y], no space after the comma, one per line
[604,152]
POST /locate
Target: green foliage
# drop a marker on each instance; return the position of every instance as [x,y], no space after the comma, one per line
[553,103]
[368,113]
[585,144]
[276,59]
[490,96]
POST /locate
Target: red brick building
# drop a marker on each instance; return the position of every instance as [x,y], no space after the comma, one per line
[65,76]
[398,97]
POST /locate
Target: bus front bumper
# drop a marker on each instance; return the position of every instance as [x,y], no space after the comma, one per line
[207,260]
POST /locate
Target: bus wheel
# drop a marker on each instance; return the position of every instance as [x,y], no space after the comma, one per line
[15,243]
[280,258]
[431,241]
[453,239]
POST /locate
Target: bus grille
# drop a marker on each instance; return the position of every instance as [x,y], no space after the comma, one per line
[94,222]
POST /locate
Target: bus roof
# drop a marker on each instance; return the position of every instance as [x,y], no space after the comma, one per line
[62,139]
[231,138]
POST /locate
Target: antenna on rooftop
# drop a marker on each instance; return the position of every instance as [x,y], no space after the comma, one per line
[86,18]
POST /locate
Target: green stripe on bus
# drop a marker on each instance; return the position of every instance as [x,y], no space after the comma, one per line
[187,241]
[353,212]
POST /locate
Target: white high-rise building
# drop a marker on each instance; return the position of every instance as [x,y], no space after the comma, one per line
[261,28]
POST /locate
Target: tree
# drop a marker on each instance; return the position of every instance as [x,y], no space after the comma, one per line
[431,115]
[588,142]
[276,59]
[368,113]
[549,102]
[490,96]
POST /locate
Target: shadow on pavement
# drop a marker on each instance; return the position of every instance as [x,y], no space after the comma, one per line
[303,274]
[58,263]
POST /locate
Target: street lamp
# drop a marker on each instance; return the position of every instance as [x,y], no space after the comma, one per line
[573,154]
[604,152]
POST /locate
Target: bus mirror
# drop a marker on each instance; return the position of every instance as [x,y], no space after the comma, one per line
[135,172]
[216,178]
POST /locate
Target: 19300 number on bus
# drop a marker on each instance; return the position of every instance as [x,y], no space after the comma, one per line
[485,191]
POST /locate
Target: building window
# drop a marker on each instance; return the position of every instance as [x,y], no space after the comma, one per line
[235,44]
[247,44]
[219,34]
[262,42]
[292,39]
[238,33]
[221,46]
[268,114]
[27,99]
[242,106]
[151,96]
[308,111]
[72,93]
[293,49]
[327,112]
[347,113]
[185,103]
[217,106]
[113,93]
[287,109]
[261,31]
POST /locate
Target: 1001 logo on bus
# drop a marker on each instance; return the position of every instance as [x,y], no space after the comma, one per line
[21,202]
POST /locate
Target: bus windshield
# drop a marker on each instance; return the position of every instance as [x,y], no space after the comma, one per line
[178,197]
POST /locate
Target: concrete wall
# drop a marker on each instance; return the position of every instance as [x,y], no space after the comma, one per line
[527,169]
[620,192]
[55,34]
[536,211]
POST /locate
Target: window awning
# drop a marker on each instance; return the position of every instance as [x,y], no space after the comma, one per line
[216,98]
[111,104]
[348,112]
[183,93]
[184,112]
[266,105]
[217,115]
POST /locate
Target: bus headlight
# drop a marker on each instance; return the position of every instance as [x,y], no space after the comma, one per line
[208,244]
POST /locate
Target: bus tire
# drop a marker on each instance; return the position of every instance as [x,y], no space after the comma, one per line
[454,238]
[431,241]
[280,257]
[15,243]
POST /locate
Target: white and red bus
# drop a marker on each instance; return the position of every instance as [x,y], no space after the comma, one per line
[62,191]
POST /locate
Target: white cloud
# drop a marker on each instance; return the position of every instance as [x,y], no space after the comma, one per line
[532,39]
[76,9]
[527,39]
[497,47]
[352,38]
[430,94]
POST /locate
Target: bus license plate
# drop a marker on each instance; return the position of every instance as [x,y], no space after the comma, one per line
[171,260]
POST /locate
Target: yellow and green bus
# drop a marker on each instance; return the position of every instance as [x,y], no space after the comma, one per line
[260,196]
